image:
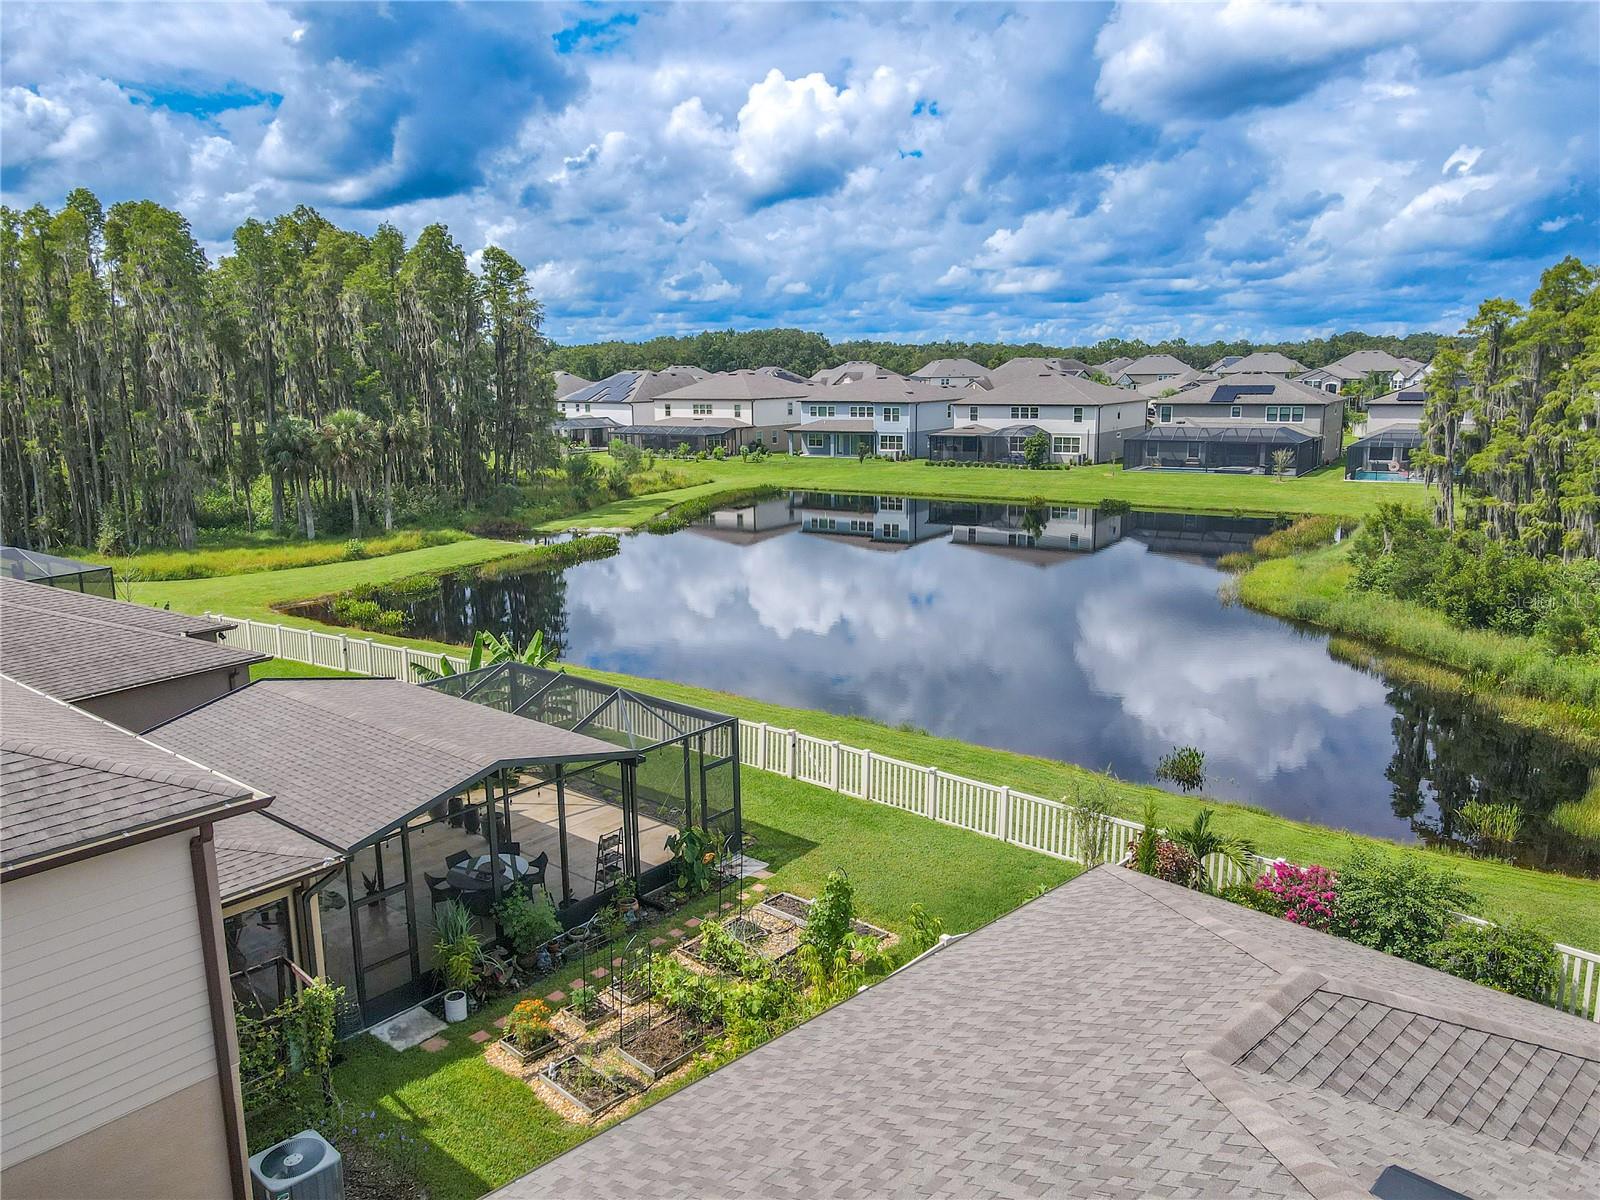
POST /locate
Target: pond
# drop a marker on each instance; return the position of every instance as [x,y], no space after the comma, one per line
[1097,637]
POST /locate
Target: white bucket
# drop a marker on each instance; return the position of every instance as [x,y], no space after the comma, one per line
[455,1006]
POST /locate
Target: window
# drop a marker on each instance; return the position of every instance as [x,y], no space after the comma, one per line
[1066,443]
[891,503]
[1285,413]
[814,441]
[891,416]
[1016,444]
[860,525]
[774,439]
[1019,539]
[1077,414]
[1236,412]
[972,413]
[669,409]
[1164,414]
[1024,412]
[1063,514]
[821,410]
[945,381]
[891,530]
[892,442]
[949,412]
[738,410]
[861,410]
[791,408]
[701,410]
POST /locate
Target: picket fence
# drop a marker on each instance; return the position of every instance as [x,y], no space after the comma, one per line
[994,810]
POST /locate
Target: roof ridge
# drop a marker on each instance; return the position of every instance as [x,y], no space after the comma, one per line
[195,777]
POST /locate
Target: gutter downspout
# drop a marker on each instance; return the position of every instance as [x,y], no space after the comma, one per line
[203,860]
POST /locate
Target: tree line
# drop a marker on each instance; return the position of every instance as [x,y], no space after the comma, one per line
[1511,424]
[805,352]
[139,377]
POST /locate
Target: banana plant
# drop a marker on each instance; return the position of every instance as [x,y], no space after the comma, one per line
[489,649]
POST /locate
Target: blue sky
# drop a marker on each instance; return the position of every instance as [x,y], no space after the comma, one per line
[1063,172]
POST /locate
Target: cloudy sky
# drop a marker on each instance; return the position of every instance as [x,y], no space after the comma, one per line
[1063,172]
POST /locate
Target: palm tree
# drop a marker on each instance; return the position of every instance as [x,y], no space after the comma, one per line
[1203,842]
[291,447]
[349,445]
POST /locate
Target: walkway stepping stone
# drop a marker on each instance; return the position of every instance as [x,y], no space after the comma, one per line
[434,1045]
[501,1022]
[675,933]
[656,942]
[693,922]
[556,997]
[599,972]
[408,1029]
[482,1036]
[758,887]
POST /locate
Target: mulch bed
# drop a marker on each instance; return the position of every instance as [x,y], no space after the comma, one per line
[370,1176]
[658,1049]
[577,1025]
[502,1056]
[787,903]
[780,938]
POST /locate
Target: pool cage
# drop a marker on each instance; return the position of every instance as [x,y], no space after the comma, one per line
[52,570]
[687,775]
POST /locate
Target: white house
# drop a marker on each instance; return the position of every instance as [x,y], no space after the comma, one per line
[1239,424]
[593,415]
[872,522]
[952,372]
[730,409]
[885,415]
[1038,535]
[1086,421]
[1396,372]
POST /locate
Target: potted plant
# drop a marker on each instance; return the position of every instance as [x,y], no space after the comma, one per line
[457,952]
[530,925]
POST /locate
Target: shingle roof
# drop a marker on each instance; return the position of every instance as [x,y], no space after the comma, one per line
[254,853]
[1053,387]
[634,387]
[1263,362]
[941,368]
[1363,362]
[1176,383]
[1259,389]
[346,758]
[1227,360]
[1154,364]
[76,646]
[882,389]
[68,779]
[743,385]
[1090,1044]
[567,383]
[835,425]
[854,370]
[1113,367]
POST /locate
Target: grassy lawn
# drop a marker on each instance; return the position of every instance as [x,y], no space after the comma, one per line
[269,552]
[1324,491]
[479,1128]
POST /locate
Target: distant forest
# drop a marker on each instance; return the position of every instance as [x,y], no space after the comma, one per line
[804,353]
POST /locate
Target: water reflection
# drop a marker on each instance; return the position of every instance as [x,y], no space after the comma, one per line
[1093,636]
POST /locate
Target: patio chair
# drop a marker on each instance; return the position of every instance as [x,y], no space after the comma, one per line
[512,848]
[456,859]
[608,859]
[440,890]
[535,875]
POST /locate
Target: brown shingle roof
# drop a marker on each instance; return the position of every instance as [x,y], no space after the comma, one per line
[254,853]
[346,758]
[1053,387]
[942,368]
[743,385]
[1102,1060]
[75,646]
[68,780]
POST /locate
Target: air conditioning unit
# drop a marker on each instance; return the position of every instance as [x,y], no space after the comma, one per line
[304,1167]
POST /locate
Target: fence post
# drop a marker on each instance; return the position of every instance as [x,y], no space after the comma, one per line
[277,641]
[405,664]
[930,800]
[372,657]
[794,755]
[761,746]
[1003,815]
[866,774]
[834,769]
[344,653]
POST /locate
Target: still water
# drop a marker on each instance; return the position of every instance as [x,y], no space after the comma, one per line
[1094,637]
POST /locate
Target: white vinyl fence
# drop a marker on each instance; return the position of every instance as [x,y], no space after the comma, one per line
[1032,822]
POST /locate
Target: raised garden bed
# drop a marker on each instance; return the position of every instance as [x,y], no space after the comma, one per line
[597,1012]
[746,929]
[787,904]
[525,1057]
[659,1049]
[767,934]
[585,1086]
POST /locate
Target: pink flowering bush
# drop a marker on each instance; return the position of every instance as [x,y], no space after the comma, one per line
[1308,895]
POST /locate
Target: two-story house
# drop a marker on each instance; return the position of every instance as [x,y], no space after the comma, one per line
[567,383]
[593,415]
[853,372]
[1036,534]
[1239,424]
[1086,421]
[952,372]
[730,409]
[1023,367]
[1392,370]
[875,522]
[1393,433]
[1149,368]
[885,415]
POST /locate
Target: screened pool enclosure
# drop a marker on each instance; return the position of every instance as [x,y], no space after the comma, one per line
[685,772]
[52,570]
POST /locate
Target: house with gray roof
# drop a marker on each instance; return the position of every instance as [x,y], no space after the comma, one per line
[1125,1037]
[853,372]
[1392,371]
[887,414]
[1113,367]
[121,1058]
[1239,424]
[1393,433]
[567,383]
[1177,383]
[131,664]
[1227,360]
[952,372]
[1264,362]
[1149,368]
[730,409]
[1086,421]
[594,414]
[1026,366]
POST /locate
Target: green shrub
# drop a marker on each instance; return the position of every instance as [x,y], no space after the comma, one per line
[830,921]
[1509,958]
[527,923]
[1398,903]
[355,550]
[1248,895]
[390,620]
[360,613]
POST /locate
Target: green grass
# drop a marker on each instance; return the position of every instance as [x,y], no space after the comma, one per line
[264,553]
[1314,587]
[1323,491]
[481,1128]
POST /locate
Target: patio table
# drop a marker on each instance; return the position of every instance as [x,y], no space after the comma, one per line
[476,877]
